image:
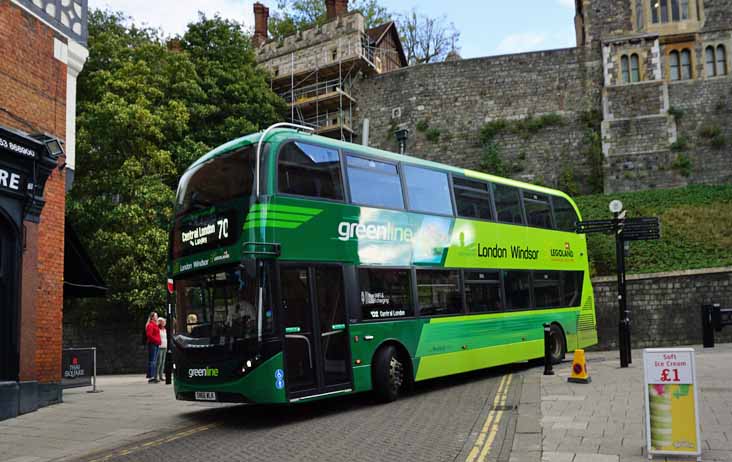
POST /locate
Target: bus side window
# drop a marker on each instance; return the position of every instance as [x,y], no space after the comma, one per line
[483,291]
[564,214]
[374,183]
[428,190]
[508,204]
[472,198]
[538,210]
[518,289]
[309,170]
[385,293]
[572,288]
[546,289]
[438,292]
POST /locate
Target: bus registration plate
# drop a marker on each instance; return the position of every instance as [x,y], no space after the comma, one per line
[205,396]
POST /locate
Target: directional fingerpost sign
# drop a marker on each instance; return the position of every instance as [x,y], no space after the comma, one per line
[625,230]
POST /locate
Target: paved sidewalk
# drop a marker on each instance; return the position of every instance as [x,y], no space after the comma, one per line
[86,422]
[603,421]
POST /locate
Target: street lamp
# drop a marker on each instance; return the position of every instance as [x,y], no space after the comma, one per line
[402,133]
[616,206]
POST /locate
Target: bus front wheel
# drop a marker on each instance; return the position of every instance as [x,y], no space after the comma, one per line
[557,344]
[388,373]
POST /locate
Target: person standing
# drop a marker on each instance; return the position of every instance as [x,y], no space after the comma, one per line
[153,343]
[163,350]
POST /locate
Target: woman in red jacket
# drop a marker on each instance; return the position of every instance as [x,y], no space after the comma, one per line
[153,342]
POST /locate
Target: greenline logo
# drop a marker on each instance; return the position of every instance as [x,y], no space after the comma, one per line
[207,372]
[387,232]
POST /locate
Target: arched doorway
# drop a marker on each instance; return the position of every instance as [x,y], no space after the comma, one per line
[9,288]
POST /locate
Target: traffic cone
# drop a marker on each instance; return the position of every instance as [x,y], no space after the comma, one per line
[579,368]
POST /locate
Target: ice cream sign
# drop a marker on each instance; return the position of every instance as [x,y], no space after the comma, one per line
[672,420]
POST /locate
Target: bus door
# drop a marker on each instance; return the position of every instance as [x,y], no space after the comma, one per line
[317,356]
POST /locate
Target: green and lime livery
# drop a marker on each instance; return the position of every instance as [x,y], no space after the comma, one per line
[318,231]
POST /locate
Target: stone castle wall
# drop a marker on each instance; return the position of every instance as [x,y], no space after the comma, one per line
[665,307]
[444,105]
[645,141]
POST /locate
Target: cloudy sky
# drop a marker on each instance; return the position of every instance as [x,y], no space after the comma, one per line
[487,27]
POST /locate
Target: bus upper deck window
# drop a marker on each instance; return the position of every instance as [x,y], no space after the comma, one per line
[564,214]
[508,204]
[309,170]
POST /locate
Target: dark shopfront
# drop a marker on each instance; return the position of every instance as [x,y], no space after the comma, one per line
[25,164]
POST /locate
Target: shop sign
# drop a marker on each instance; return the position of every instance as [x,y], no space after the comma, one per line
[12,181]
[77,366]
[671,402]
[9,143]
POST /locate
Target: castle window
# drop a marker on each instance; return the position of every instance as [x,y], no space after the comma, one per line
[664,10]
[685,64]
[711,64]
[639,23]
[674,65]
[684,10]
[634,68]
[669,10]
[721,60]
[624,68]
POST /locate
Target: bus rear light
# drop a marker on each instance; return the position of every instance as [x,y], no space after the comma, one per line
[355,338]
[358,361]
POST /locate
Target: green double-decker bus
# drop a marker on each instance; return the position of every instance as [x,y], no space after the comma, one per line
[305,267]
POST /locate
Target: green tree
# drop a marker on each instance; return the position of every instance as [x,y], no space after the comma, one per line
[145,112]
[297,15]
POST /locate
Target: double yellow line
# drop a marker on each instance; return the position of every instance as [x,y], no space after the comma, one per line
[150,444]
[488,433]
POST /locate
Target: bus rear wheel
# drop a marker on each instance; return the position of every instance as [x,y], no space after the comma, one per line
[388,374]
[557,344]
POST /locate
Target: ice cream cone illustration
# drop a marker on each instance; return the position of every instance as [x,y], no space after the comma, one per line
[661,419]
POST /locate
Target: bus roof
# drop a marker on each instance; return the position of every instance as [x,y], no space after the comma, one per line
[280,135]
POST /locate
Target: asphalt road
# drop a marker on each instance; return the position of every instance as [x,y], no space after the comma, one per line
[469,417]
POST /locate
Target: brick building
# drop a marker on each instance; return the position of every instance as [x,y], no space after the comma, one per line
[643,101]
[42,44]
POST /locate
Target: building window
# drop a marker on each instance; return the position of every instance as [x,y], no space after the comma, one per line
[711,69]
[630,68]
[716,60]
[685,64]
[669,11]
[680,64]
[721,60]
[634,68]
[684,10]
[639,23]
[674,65]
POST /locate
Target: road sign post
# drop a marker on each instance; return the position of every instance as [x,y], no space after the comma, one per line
[625,230]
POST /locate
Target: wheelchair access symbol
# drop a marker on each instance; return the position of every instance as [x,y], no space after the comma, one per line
[279,379]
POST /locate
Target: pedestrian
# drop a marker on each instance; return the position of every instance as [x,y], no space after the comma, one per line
[153,343]
[162,352]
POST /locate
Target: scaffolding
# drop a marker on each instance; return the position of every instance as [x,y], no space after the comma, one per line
[318,87]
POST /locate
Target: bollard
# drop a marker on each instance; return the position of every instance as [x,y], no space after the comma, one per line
[547,350]
[707,328]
